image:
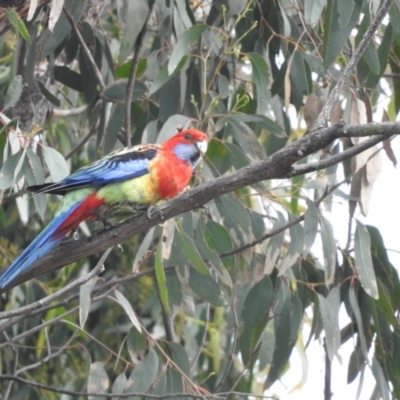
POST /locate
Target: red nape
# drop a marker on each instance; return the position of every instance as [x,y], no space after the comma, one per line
[85,211]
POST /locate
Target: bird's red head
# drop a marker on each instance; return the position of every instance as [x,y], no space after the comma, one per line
[188,137]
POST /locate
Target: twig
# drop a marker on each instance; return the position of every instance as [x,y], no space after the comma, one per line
[47,300]
[47,358]
[283,228]
[203,340]
[132,75]
[328,375]
[87,52]
[335,159]
[38,327]
[107,285]
[73,112]
[15,365]
[325,113]
[111,395]
[80,144]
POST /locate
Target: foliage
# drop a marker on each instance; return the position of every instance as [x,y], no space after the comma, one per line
[214,301]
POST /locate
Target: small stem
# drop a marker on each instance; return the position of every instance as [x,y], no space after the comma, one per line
[132,76]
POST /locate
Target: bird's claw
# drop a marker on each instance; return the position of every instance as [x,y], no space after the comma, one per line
[151,210]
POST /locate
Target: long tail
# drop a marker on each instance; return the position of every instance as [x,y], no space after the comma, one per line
[55,231]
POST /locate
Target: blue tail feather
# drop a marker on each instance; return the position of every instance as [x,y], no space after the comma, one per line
[40,246]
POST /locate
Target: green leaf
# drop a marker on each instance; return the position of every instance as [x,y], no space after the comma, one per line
[310,226]
[363,260]
[143,248]
[161,279]
[113,127]
[126,305]
[16,21]
[261,82]
[235,217]
[134,15]
[191,253]
[136,343]
[171,126]
[260,121]
[381,380]
[9,169]
[345,9]
[34,175]
[144,374]
[119,384]
[211,255]
[287,318]
[183,46]
[163,77]
[313,10]
[255,316]
[206,288]
[116,91]
[48,40]
[68,78]
[335,36]
[357,314]
[295,247]
[329,250]
[218,238]
[49,96]
[275,244]
[85,300]
[329,308]
[179,357]
[98,381]
[13,92]
[56,164]
[246,139]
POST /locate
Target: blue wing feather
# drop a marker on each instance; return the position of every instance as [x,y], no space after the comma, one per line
[118,166]
[42,244]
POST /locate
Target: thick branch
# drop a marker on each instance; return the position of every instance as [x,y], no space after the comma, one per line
[277,166]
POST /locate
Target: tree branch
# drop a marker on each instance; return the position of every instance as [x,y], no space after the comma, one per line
[88,55]
[324,115]
[277,166]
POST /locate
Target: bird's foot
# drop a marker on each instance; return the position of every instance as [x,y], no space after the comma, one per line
[106,223]
[151,211]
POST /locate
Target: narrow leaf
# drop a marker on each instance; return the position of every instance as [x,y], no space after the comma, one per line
[85,300]
[329,308]
[98,380]
[206,288]
[329,250]
[161,279]
[363,260]
[182,47]
[255,316]
[16,21]
[143,248]
[191,253]
[261,82]
[310,227]
[144,373]
[56,164]
[128,309]
[13,92]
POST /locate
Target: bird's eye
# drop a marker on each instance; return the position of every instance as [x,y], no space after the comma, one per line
[188,136]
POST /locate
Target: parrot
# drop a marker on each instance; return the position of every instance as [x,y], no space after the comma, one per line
[141,175]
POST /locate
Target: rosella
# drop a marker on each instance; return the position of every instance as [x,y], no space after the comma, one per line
[141,175]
